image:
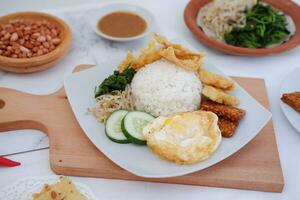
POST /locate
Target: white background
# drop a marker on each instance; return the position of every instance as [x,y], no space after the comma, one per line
[168,15]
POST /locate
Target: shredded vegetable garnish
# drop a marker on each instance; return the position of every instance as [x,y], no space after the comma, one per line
[220,16]
[108,103]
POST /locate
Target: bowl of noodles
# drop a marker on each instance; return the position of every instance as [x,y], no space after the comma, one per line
[245,27]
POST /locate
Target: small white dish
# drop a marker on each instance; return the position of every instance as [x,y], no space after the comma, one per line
[291,84]
[95,15]
[140,160]
[25,187]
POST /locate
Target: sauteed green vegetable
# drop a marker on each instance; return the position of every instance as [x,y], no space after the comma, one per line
[264,26]
[116,81]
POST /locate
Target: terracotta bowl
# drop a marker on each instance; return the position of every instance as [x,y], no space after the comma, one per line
[39,63]
[287,6]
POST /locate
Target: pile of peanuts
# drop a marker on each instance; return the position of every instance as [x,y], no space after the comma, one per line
[22,38]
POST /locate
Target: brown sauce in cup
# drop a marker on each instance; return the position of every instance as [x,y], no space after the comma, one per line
[122,24]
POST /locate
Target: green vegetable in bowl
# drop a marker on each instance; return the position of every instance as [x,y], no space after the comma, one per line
[264,26]
[116,81]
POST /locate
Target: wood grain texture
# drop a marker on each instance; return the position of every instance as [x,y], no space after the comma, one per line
[39,63]
[254,167]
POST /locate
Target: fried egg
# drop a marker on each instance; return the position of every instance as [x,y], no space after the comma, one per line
[184,138]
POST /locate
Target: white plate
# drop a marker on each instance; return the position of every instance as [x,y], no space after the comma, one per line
[140,160]
[24,188]
[291,84]
[95,15]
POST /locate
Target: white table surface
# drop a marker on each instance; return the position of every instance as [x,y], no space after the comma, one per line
[168,14]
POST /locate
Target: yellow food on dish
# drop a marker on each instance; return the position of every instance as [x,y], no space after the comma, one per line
[219,96]
[184,138]
[215,80]
[127,61]
[63,190]
[159,47]
[188,64]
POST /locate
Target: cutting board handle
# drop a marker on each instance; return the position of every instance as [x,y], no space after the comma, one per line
[19,110]
[16,111]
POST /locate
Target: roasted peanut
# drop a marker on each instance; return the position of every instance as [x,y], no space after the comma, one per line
[56,41]
[46,45]
[48,37]
[45,51]
[35,49]
[23,55]
[6,36]
[29,54]
[40,52]
[54,32]
[41,39]
[24,49]
[27,38]
[21,41]
[27,28]
[35,35]
[14,37]
[17,51]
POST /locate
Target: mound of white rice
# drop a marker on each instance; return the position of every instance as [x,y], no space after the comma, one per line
[162,88]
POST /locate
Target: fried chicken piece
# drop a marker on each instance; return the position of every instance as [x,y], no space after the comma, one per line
[219,96]
[215,80]
[227,127]
[228,112]
[292,99]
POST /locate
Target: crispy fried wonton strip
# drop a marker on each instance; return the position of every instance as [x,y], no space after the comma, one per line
[169,54]
[147,55]
[129,60]
[160,47]
[179,55]
[161,40]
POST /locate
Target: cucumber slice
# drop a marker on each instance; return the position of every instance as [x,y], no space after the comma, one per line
[133,124]
[113,127]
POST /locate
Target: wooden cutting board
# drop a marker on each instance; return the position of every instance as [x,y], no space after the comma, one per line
[254,167]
